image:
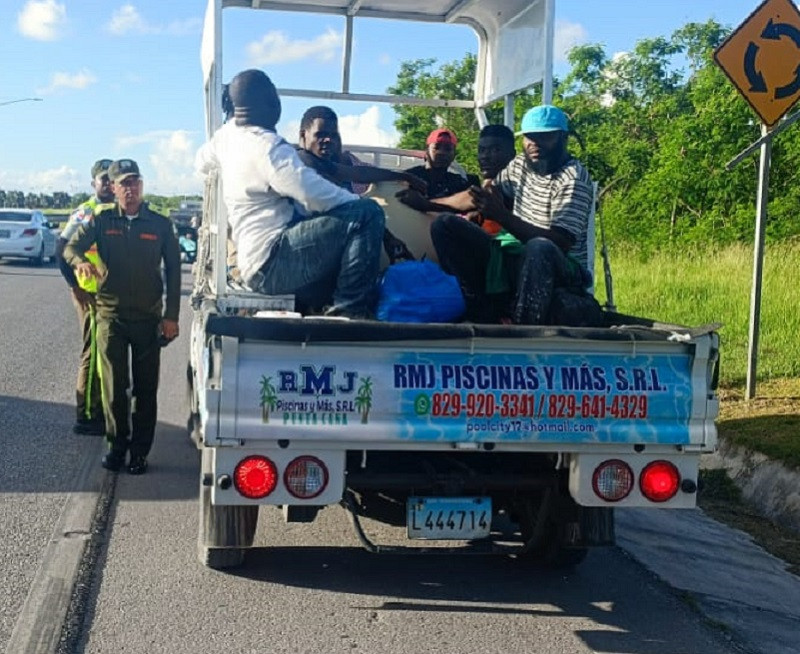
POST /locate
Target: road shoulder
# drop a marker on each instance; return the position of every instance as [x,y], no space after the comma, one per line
[732,581]
[38,628]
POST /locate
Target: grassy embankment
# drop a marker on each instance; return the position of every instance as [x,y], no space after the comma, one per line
[697,288]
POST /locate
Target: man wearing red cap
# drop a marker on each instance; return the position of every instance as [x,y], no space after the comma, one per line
[440,152]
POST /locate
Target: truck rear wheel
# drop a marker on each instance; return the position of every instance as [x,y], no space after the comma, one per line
[550,552]
[221,558]
[549,549]
[193,421]
[225,532]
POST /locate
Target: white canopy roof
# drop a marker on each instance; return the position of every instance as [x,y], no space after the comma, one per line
[515,41]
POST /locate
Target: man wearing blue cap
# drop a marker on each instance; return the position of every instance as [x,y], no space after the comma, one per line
[542,199]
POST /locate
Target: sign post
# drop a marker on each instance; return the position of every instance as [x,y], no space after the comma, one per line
[754,57]
[758,264]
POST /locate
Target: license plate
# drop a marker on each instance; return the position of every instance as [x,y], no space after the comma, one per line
[449,518]
[5,233]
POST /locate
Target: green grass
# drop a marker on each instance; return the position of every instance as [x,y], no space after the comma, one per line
[700,287]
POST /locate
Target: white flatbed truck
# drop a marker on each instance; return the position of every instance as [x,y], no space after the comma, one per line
[511,439]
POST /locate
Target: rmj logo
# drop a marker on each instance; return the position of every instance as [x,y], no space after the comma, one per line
[312,381]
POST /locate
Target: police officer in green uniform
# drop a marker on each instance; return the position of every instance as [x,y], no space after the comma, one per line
[132,241]
[89,406]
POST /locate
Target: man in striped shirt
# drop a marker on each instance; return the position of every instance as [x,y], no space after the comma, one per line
[542,199]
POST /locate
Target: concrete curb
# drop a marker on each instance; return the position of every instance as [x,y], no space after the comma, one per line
[38,627]
[772,488]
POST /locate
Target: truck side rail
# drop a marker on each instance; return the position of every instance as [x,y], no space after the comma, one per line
[326,330]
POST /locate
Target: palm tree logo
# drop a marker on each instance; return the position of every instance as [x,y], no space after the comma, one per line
[269,398]
[364,399]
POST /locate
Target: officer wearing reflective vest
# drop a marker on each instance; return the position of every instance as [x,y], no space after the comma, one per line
[133,317]
[89,408]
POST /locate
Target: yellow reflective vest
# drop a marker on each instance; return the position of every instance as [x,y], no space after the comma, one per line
[85,213]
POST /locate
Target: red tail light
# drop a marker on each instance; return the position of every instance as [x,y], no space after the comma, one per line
[659,481]
[255,477]
[612,480]
[30,232]
[306,477]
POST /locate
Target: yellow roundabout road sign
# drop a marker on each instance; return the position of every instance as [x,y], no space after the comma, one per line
[762,59]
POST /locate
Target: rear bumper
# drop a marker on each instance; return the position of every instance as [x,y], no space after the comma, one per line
[20,247]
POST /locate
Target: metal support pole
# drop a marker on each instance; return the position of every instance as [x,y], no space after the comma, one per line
[508,111]
[550,31]
[758,263]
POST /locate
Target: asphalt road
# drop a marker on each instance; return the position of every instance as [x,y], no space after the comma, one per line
[307,588]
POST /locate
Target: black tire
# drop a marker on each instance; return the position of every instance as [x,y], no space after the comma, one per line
[38,260]
[225,533]
[549,551]
[193,421]
[222,558]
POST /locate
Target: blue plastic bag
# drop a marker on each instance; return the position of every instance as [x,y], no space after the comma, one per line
[419,291]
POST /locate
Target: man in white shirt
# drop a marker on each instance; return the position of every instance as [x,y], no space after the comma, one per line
[293,229]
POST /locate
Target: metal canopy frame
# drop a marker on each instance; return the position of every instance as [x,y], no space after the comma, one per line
[504,28]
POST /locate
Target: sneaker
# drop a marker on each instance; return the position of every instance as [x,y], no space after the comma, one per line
[137,465]
[112,461]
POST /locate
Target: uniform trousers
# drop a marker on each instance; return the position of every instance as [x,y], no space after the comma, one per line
[130,425]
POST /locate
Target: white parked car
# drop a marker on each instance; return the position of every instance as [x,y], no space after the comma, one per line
[26,233]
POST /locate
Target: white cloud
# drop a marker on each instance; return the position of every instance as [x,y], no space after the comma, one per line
[172,160]
[170,154]
[79,80]
[385,59]
[46,181]
[365,129]
[567,36]
[356,129]
[128,20]
[42,20]
[276,48]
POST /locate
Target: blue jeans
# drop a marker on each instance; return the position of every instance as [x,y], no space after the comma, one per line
[340,249]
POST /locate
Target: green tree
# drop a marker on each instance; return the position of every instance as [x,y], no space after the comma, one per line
[454,80]
[655,126]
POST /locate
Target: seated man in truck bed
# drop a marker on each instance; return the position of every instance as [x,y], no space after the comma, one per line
[440,152]
[292,228]
[485,304]
[542,199]
[320,146]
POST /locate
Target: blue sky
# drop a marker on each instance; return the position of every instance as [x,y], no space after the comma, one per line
[123,79]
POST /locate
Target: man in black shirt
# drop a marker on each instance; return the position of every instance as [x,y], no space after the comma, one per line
[321,149]
[440,152]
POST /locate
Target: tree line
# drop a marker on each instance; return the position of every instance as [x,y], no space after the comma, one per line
[61,202]
[655,126]
[57,200]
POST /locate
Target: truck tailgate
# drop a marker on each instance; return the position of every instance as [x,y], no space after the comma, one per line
[376,382]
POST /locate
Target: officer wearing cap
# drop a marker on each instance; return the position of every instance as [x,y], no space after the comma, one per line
[542,199]
[440,152]
[89,408]
[132,241]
